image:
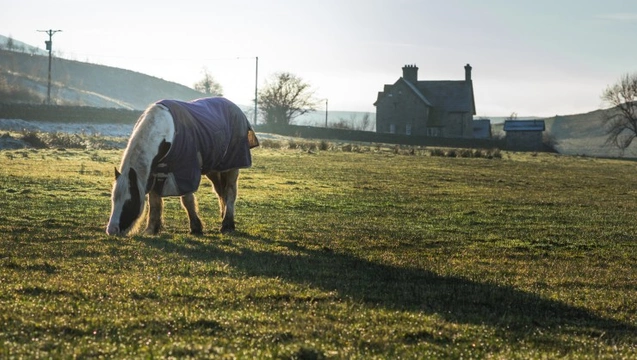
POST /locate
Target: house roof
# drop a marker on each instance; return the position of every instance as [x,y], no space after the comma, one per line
[416,91]
[524,125]
[452,96]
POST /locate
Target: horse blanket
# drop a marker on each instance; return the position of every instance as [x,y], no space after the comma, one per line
[211,134]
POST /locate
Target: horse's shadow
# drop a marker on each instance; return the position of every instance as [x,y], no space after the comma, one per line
[514,314]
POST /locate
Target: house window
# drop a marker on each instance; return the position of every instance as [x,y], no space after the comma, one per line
[392,128]
[408,129]
[433,131]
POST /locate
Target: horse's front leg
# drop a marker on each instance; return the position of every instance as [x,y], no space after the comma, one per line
[189,202]
[156,206]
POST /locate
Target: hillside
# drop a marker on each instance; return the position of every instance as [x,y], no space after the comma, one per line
[9,43]
[78,83]
[579,134]
[583,134]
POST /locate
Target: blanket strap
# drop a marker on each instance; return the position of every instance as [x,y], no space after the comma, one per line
[158,178]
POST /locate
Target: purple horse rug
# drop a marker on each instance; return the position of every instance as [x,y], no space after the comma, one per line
[211,134]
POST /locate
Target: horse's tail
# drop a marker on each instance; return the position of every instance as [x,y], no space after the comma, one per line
[238,115]
[252,138]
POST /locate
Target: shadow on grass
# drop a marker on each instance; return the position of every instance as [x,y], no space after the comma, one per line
[516,315]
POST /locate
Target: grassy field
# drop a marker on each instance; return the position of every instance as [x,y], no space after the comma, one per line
[372,254]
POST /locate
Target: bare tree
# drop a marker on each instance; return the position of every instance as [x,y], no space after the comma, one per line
[208,85]
[342,124]
[285,97]
[620,120]
[10,44]
[366,122]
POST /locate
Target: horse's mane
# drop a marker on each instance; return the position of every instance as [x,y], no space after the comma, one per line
[153,126]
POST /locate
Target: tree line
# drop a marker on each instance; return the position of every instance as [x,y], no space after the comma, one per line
[284,97]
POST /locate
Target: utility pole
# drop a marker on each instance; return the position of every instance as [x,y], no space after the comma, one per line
[49,46]
[326,113]
[256,83]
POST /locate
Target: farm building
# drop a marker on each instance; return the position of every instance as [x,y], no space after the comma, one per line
[424,107]
[524,134]
[482,129]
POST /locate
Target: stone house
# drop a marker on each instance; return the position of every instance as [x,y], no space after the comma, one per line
[524,134]
[426,107]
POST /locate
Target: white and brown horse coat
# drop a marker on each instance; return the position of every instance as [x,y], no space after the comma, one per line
[172,145]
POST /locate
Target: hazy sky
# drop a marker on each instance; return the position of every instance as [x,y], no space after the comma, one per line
[533,57]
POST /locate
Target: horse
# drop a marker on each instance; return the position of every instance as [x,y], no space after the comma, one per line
[173,144]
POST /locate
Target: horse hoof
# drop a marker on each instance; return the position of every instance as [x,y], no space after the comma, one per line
[227,229]
[196,232]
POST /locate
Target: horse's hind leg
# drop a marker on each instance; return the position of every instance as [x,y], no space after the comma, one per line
[155,205]
[230,180]
[189,202]
[219,188]
[225,185]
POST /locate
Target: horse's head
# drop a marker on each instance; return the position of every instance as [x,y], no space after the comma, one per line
[127,203]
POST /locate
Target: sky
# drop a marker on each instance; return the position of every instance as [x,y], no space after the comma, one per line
[531,57]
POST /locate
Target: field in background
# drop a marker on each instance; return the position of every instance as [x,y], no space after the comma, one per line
[341,253]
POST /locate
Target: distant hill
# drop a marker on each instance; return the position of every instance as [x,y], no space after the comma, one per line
[78,83]
[583,134]
[579,134]
[9,43]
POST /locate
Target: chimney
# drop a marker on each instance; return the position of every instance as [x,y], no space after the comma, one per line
[410,73]
[467,73]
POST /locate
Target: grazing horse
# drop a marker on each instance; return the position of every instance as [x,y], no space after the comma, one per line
[172,145]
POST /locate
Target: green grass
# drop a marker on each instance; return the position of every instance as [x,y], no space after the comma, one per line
[371,254]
